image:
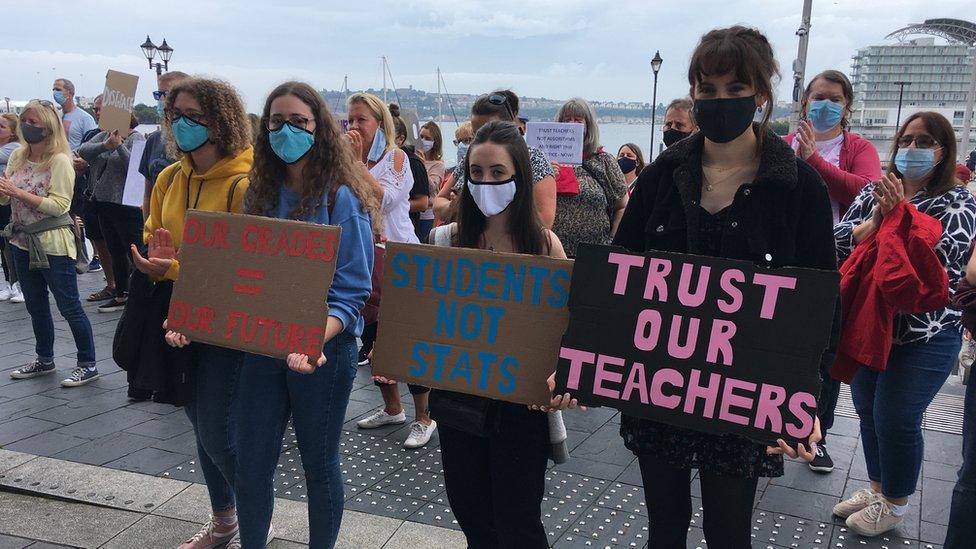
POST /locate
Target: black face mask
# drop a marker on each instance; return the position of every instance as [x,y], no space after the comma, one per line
[672,136]
[627,165]
[32,134]
[722,120]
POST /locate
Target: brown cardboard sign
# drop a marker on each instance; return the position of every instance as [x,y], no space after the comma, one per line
[253,283]
[117,102]
[472,321]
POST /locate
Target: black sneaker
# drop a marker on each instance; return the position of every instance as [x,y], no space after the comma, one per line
[112,306]
[363,359]
[821,462]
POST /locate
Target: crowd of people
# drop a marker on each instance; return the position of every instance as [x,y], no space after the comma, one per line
[726,186]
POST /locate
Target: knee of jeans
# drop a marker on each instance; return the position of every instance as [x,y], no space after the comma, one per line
[900,426]
[324,471]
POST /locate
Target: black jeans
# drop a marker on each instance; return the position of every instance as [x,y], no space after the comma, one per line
[727,504]
[962,527]
[122,227]
[829,393]
[495,482]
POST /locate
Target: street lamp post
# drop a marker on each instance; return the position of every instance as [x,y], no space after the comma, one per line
[655,66]
[165,54]
[901,93]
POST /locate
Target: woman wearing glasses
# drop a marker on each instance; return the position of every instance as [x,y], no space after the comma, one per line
[207,129]
[303,170]
[890,403]
[38,184]
[503,105]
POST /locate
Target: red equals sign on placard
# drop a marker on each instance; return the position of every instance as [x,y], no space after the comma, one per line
[249,289]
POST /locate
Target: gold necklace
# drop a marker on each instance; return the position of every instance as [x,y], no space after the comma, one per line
[709,186]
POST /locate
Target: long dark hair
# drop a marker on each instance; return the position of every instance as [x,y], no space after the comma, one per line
[744,52]
[330,162]
[943,177]
[523,222]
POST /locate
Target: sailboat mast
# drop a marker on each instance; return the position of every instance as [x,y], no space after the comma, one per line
[440,97]
[384,79]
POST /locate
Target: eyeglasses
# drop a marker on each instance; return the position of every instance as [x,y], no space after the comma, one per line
[276,122]
[466,141]
[194,117]
[921,141]
[159,94]
[500,99]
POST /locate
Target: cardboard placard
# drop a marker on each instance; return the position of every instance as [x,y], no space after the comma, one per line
[471,321]
[135,184]
[253,283]
[410,120]
[117,101]
[561,141]
[704,343]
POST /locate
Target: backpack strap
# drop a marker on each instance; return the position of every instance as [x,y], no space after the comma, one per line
[233,191]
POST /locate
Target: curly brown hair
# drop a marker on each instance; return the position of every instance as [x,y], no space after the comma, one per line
[227,124]
[330,162]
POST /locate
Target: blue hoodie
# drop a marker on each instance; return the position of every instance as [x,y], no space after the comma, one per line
[354,265]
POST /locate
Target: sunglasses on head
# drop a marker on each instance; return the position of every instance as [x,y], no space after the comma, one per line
[500,99]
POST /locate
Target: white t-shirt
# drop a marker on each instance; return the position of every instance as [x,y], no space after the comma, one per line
[829,150]
[396,198]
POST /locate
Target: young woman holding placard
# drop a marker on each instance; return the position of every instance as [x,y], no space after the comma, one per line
[304,170]
[733,190]
[495,457]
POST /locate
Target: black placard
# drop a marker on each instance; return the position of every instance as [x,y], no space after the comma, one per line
[705,343]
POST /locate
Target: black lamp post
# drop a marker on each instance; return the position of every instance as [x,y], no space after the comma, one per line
[655,66]
[165,54]
[901,92]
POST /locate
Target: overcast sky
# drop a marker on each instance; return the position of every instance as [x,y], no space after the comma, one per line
[553,48]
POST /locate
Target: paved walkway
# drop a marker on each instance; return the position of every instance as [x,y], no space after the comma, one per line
[73,449]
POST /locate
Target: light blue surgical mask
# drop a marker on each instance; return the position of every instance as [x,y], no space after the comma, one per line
[291,143]
[160,107]
[379,146]
[825,114]
[190,135]
[59,98]
[462,151]
[915,164]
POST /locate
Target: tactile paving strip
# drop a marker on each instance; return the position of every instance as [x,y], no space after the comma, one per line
[387,505]
[290,476]
[567,497]
[603,527]
[845,539]
[187,472]
[775,530]
[436,513]
[624,497]
[412,483]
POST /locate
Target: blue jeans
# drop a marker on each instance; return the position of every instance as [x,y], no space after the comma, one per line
[60,277]
[212,415]
[891,403]
[269,394]
[962,526]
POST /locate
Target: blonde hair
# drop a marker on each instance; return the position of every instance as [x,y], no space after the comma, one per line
[380,112]
[57,140]
[14,123]
[464,128]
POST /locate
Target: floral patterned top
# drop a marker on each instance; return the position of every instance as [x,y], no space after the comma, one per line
[956,209]
[583,217]
[54,183]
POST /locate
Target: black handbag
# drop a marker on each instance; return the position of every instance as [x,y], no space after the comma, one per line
[129,330]
[467,413]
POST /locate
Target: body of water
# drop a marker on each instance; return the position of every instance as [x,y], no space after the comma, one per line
[612,136]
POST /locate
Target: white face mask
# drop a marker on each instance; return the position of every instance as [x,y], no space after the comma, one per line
[423,145]
[492,198]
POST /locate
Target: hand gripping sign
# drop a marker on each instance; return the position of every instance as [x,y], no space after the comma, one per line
[705,343]
[253,283]
[472,321]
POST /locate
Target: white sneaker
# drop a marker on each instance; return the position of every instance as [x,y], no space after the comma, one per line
[5,291]
[16,295]
[419,434]
[235,542]
[380,419]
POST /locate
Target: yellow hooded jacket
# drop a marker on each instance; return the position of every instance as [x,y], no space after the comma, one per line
[178,189]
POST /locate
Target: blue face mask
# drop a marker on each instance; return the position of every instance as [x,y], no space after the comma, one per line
[825,114]
[160,107]
[379,146]
[462,151]
[915,164]
[291,143]
[190,135]
[59,98]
